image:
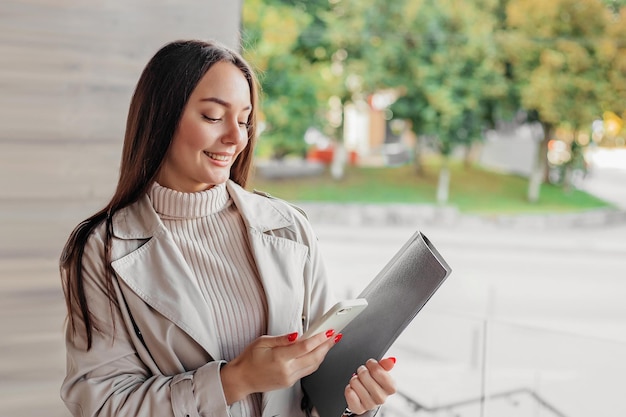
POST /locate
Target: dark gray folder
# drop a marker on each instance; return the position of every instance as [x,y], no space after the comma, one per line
[394,296]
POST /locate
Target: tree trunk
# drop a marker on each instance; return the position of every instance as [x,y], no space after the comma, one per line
[467,156]
[338,164]
[538,174]
[472,149]
[568,171]
[443,185]
[417,156]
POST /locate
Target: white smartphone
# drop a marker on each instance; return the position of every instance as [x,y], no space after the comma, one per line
[337,317]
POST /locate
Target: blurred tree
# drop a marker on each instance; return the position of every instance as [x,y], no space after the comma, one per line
[564,63]
[438,56]
[615,5]
[314,47]
[612,55]
[291,85]
[558,68]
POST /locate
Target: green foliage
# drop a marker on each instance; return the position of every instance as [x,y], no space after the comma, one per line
[291,86]
[615,5]
[563,58]
[611,52]
[456,67]
[438,56]
[560,52]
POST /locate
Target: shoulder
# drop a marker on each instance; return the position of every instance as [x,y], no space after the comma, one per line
[265,212]
[88,236]
[281,202]
[84,251]
[128,228]
[263,200]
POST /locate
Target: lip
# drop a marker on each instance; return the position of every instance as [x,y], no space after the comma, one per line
[219,157]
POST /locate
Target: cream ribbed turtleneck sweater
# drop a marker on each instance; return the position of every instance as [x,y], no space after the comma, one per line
[212,237]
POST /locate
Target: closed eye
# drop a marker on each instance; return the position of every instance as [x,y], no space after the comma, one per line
[210,119]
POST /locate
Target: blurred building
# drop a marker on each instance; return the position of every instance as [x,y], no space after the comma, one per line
[370,132]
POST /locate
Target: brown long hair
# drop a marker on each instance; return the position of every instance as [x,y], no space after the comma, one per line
[153,117]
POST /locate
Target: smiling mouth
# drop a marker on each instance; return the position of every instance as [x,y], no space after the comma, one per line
[217,157]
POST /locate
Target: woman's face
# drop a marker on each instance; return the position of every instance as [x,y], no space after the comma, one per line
[212,131]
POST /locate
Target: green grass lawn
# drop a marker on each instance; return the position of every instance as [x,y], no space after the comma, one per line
[472,190]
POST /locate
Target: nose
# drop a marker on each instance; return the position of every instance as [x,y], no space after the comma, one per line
[234,133]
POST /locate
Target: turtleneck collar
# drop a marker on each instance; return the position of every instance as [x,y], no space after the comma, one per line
[174,204]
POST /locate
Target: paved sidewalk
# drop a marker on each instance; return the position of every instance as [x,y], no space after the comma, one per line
[607,177]
[419,215]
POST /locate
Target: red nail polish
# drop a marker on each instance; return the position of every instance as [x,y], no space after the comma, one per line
[393,359]
[338,337]
[329,333]
[292,336]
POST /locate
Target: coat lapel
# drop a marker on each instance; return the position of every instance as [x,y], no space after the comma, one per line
[158,273]
[280,261]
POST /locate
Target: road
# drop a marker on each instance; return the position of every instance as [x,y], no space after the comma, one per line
[553,303]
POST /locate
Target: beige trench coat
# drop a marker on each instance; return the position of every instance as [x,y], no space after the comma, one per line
[157,354]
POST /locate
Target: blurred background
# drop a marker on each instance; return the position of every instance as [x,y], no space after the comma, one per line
[496,127]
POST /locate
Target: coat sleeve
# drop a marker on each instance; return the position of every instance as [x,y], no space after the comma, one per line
[110,379]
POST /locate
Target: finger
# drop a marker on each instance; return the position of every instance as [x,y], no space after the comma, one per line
[311,360]
[353,401]
[322,340]
[377,381]
[357,384]
[276,341]
[388,363]
[305,355]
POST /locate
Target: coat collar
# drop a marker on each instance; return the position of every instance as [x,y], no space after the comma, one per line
[157,272]
[140,221]
[259,212]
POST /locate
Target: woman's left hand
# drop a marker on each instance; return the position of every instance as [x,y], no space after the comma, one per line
[370,386]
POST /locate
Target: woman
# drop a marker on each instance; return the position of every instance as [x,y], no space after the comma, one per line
[186,294]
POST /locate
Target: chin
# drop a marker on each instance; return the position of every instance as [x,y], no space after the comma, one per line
[216,181]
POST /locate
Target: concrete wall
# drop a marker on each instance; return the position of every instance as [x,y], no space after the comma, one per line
[68,69]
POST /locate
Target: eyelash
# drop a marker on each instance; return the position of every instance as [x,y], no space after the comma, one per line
[210,119]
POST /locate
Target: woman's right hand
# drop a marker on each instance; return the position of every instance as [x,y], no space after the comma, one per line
[274,362]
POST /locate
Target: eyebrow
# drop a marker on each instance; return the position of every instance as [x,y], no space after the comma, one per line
[223,103]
